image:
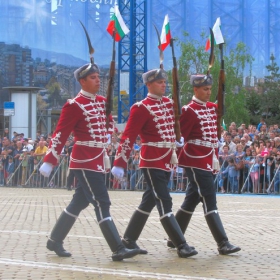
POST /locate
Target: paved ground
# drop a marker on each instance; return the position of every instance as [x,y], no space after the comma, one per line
[28,215]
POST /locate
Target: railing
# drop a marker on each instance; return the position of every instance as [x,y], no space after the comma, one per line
[255,177]
[29,176]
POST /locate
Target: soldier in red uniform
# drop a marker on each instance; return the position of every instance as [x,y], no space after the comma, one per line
[152,119]
[85,116]
[199,156]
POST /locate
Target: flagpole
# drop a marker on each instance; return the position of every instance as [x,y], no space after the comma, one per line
[110,89]
[176,93]
[218,36]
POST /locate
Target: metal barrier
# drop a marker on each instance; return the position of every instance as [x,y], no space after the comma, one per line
[275,182]
[255,178]
[29,176]
[26,176]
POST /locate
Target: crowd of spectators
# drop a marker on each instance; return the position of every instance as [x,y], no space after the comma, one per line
[20,158]
[249,159]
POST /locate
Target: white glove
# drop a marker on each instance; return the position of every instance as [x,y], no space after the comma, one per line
[117,172]
[46,169]
[181,143]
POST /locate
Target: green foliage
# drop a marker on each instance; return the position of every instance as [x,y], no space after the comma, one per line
[194,59]
[54,91]
[253,105]
[235,109]
[41,104]
[270,103]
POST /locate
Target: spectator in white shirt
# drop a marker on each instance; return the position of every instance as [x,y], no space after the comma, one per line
[26,145]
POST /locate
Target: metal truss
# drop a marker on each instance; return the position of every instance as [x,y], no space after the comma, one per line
[132,54]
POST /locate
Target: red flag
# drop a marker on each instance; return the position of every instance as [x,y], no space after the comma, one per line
[208,44]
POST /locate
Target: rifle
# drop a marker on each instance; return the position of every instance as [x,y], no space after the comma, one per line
[110,89]
[221,93]
[176,94]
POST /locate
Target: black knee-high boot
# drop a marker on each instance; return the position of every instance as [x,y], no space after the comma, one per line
[59,232]
[134,229]
[216,227]
[175,234]
[113,239]
[183,218]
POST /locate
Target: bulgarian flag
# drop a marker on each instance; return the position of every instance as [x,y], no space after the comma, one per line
[217,35]
[117,24]
[165,34]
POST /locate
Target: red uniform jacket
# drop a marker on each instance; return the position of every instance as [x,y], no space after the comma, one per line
[85,117]
[199,128]
[152,119]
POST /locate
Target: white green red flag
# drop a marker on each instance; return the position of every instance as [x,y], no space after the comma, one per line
[117,24]
[165,36]
[217,35]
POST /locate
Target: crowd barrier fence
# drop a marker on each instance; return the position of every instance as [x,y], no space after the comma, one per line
[261,182]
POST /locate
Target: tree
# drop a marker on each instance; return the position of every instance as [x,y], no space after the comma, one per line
[41,104]
[269,89]
[194,59]
[53,88]
[235,64]
[253,105]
